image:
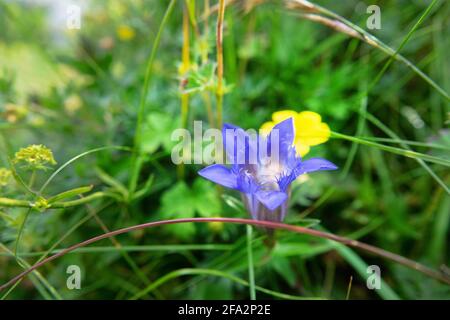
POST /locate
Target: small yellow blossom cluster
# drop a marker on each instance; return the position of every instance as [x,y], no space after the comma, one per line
[35,157]
[41,204]
[309,128]
[125,33]
[5,176]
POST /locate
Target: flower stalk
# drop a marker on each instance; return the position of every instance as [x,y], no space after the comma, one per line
[184,69]
[267,224]
[7,202]
[399,151]
[219,45]
[137,159]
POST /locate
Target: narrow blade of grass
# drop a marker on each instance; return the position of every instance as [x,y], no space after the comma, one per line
[251,271]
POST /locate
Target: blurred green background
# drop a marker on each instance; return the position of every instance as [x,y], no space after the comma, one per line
[74,90]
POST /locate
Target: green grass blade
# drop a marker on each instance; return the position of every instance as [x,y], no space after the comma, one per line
[45,185]
[405,40]
[137,160]
[216,273]
[251,271]
[375,42]
[399,151]
[421,162]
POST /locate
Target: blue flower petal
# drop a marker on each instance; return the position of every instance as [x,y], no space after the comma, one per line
[271,199]
[221,175]
[314,164]
[262,199]
[285,180]
[291,160]
[230,126]
[286,136]
[234,140]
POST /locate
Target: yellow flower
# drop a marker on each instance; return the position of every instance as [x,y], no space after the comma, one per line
[125,33]
[35,157]
[309,128]
[5,176]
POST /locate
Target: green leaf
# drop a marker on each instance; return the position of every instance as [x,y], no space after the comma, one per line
[177,203]
[284,269]
[234,203]
[307,223]
[201,79]
[106,178]
[145,189]
[180,201]
[157,131]
[69,194]
[191,8]
[205,199]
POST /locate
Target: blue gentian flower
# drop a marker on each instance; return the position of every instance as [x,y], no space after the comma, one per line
[265,182]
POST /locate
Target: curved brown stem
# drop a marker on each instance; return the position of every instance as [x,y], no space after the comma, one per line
[267,224]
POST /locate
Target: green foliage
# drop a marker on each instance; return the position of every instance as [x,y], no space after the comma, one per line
[157,132]
[182,201]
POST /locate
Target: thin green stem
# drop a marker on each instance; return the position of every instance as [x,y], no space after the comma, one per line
[421,162]
[19,234]
[84,200]
[219,47]
[54,174]
[118,246]
[143,248]
[399,151]
[38,275]
[405,40]
[359,130]
[405,142]
[216,273]
[137,157]
[185,67]
[251,271]
[32,179]
[349,288]
[60,240]
[360,266]
[7,202]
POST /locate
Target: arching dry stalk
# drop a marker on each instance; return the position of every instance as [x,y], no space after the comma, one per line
[267,224]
